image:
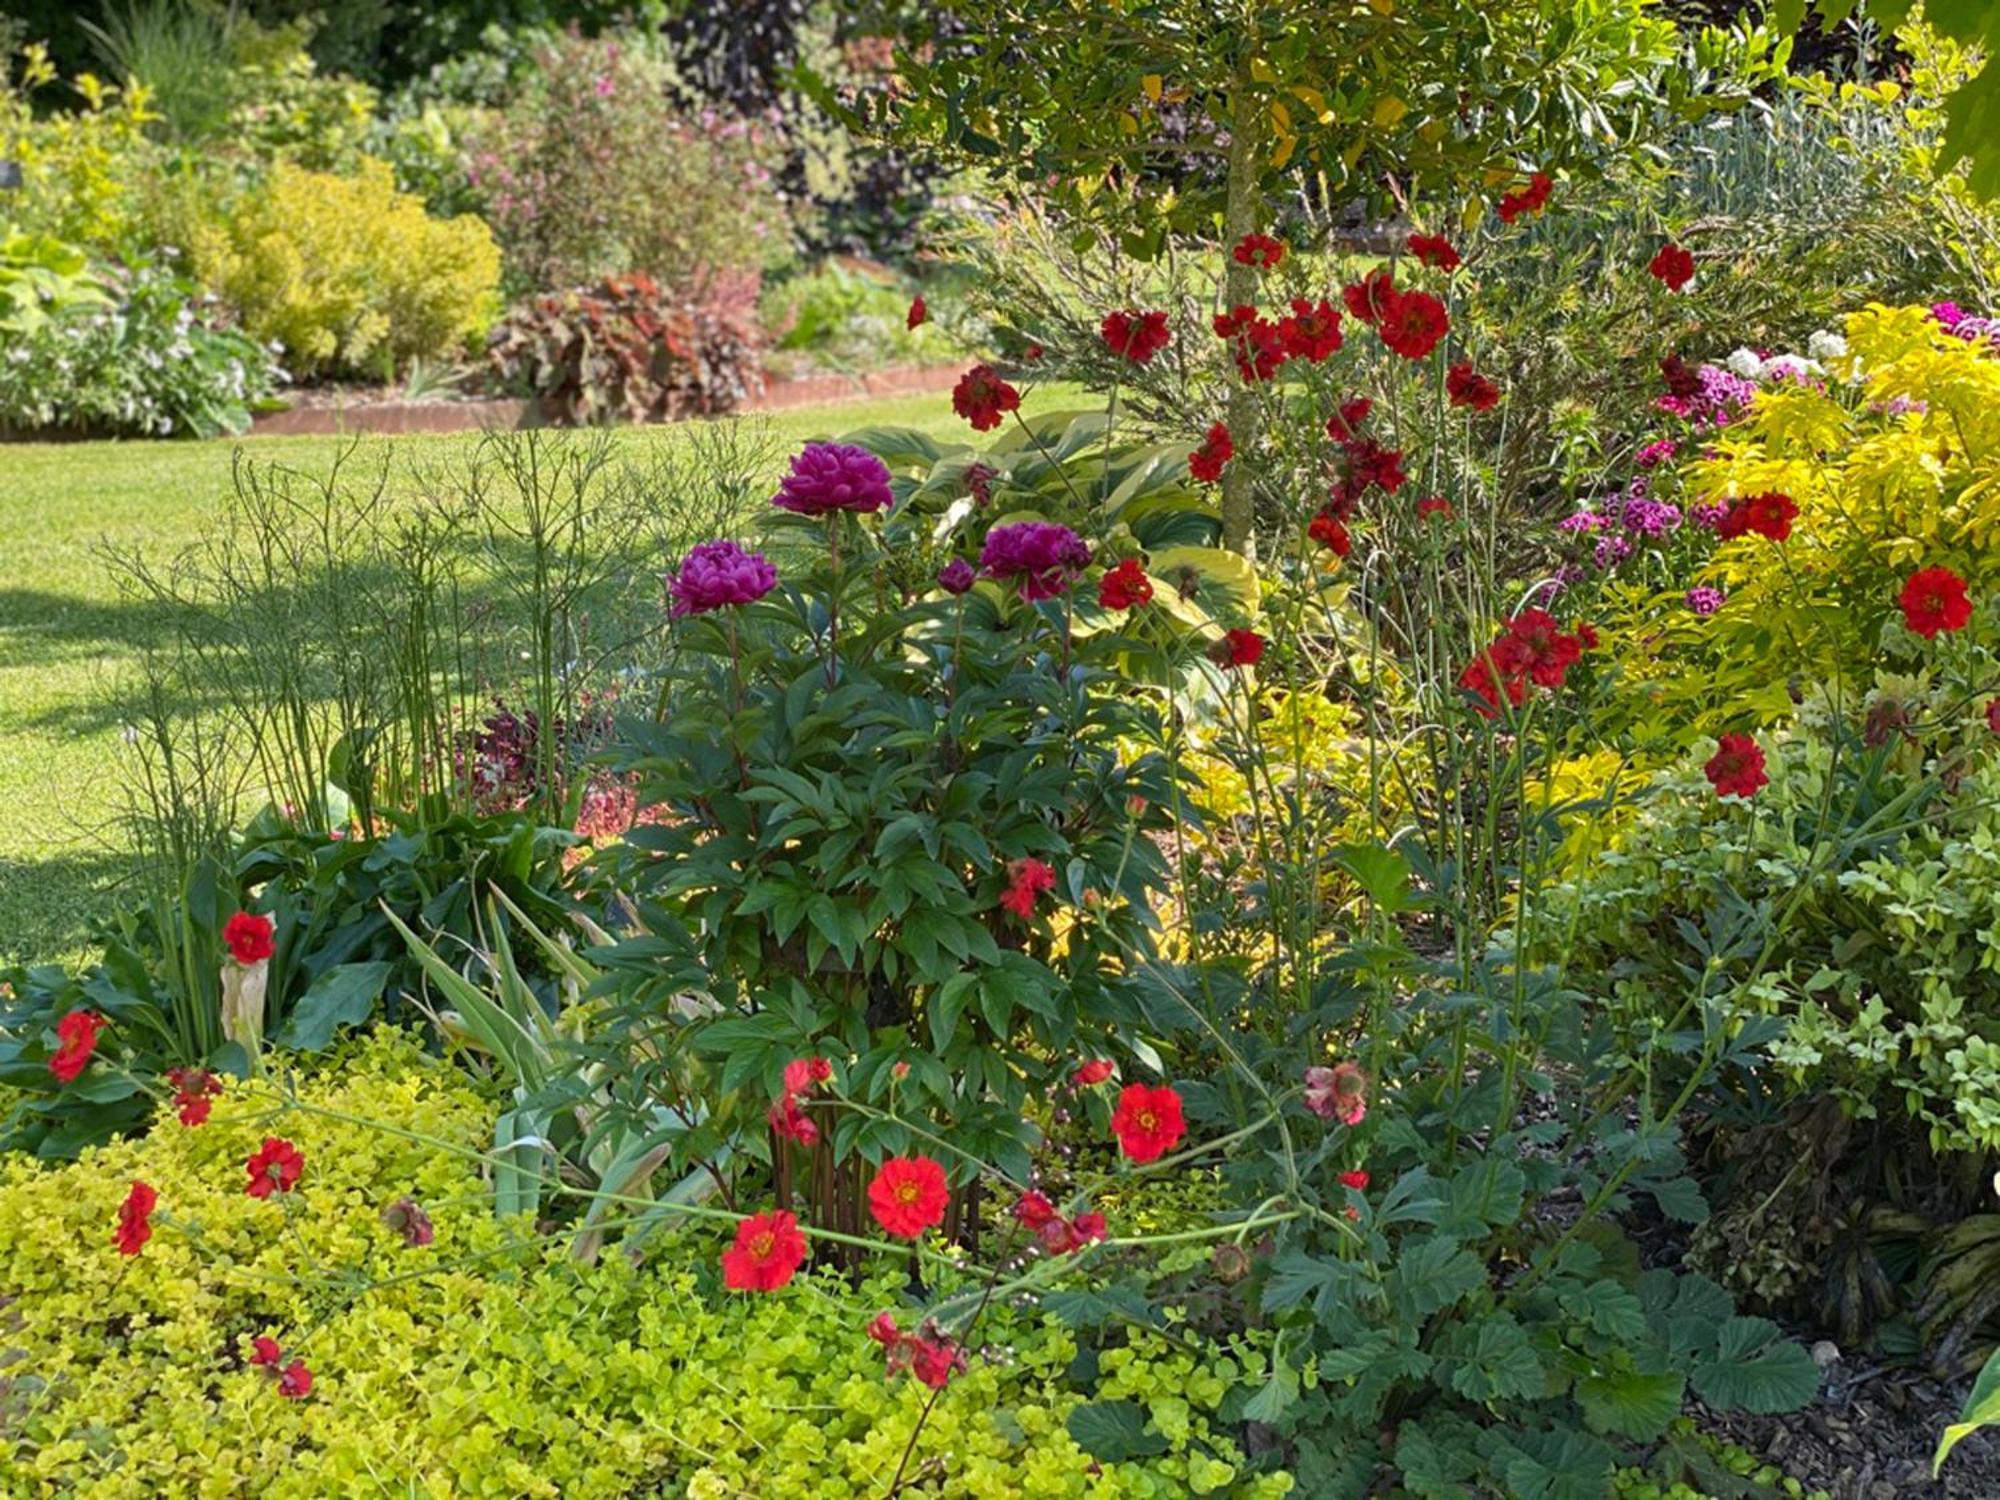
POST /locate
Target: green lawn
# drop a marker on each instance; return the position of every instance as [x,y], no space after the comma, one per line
[68,642]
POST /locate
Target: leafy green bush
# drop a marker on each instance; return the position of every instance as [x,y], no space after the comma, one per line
[348,274]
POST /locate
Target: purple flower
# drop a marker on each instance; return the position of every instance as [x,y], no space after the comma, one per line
[716,575]
[1654,454]
[1582,520]
[1950,314]
[1652,518]
[956,576]
[1710,516]
[1044,556]
[1611,551]
[1722,398]
[826,477]
[1703,599]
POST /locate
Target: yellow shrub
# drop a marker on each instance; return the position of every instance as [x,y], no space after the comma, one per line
[80,169]
[349,274]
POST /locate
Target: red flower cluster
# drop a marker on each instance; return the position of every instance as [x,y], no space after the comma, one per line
[1356,1180]
[1148,1121]
[1737,767]
[1098,1069]
[1531,199]
[1533,648]
[249,937]
[1027,878]
[1237,648]
[919,314]
[1434,505]
[767,1254]
[1366,464]
[1369,297]
[294,1380]
[983,398]
[1312,332]
[274,1167]
[1125,586]
[1056,1234]
[929,1354]
[1769,515]
[1434,250]
[1338,1093]
[194,1091]
[1673,265]
[1259,250]
[76,1039]
[787,1118]
[1413,323]
[1135,336]
[1257,342]
[135,1219]
[1934,602]
[1346,422]
[1467,387]
[1330,534]
[1217,448]
[908,1195]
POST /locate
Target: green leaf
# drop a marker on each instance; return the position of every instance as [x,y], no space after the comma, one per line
[1432,1273]
[1628,1404]
[1608,1308]
[1756,1369]
[1490,1359]
[1114,1432]
[1381,872]
[344,995]
[1680,1199]
[1982,1409]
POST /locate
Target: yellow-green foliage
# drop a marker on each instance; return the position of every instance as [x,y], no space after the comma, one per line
[80,168]
[349,274]
[487,1364]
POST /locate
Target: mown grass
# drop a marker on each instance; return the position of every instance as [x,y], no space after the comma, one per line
[70,644]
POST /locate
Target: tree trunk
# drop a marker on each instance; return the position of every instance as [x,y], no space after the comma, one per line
[1239,287]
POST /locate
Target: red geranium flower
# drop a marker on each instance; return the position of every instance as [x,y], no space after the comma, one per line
[134,1219]
[1672,265]
[1356,1180]
[1255,340]
[1934,601]
[1147,1121]
[1125,586]
[768,1252]
[1330,534]
[803,1073]
[1097,1070]
[1368,298]
[1434,505]
[983,398]
[1345,424]
[1312,332]
[295,1382]
[1135,335]
[1217,448]
[908,1195]
[1546,654]
[248,936]
[1259,250]
[1434,250]
[1027,878]
[1466,387]
[1034,1210]
[76,1039]
[1737,767]
[274,1167]
[1238,648]
[1413,323]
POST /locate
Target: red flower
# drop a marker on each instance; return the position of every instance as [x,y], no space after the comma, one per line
[768,1252]
[1346,423]
[1737,767]
[1672,265]
[1312,332]
[1769,515]
[1098,1069]
[935,1358]
[789,1122]
[248,937]
[295,1382]
[406,1217]
[1356,1180]
[135,1219]
[1027,878]
[1330,534]
[1238,648]
[1338,1093]
[1032,353]
[1993,715]
[908,1195]
[1680,378]
[1529,200]
[1500,669]
[802,1073]
[1434,505]
[1546,654]
[1413,323]
[265,1351]
[1125,586]
[983,398]
[1368,464]
[76,1038]
[1034,1210]
[919,313]
[1147,1122]
[1934,601]
[1135,335]
[1587,634]
[1088,1229]
[1259,250]
[1217,448]
[1466,387]
[1434,250]
[1255,340]
[194,1088]
[274,1167]
[1368,298]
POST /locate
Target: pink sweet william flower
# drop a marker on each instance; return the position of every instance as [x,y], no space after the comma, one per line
[720,575]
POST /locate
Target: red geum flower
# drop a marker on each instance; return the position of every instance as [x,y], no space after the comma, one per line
[76,1039]
[1330,534]
[1769,515]
[1338,1093]
[1434,250]
[983,398]
[1467,387]
[1259,250]
[768,1252]
[1217,448]
[1368,298]
[1680,378]
[1546,653]
[194,1089]
[1502,668]
[1032,353]
[1238,648]
[1673,265]
[1934,602]
[1369,464]
[1993,715]
[919,313]
[1088,1229]
[1125,586]
[1737,767]
[791,1123]
[135,1219]
[1098,1069]
[908,1195]
[1413,323]
[407,1218]
[935,1358]
[1356,1180]
[265,1351]
[248,936]
[1312,332]
[1134,335]
[295,1381]
[1255,340]
[802,1074]
[1034,1209]
[1529,200]
[274,1167]
[1434,505]
[1148,1121]
[1027,878]
[1345,424]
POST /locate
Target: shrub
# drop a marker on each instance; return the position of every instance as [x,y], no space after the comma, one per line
[79,168]
[629,350]
[348,274]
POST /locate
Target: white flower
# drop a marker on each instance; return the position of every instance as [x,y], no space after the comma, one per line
[1791,367]
[1745,362]
[1824,345]
[953,517]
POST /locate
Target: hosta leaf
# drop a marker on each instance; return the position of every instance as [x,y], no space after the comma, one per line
[1754,1368]
[1982,1409]
[1628,1404]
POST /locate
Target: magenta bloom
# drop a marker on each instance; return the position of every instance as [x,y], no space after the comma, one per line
[826,477]
[955,577]
[716,575]
[1704,599]
[1042,555]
